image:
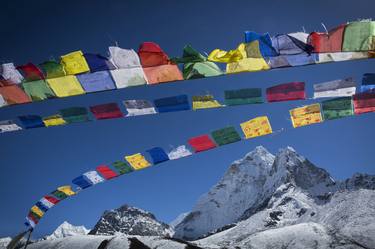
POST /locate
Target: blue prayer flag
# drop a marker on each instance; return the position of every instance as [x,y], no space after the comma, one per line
[171,104]
[158,155]
[31,121]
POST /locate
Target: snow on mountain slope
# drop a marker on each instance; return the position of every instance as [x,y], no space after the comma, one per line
[66,229]
[132,221]
[247,186]
[4,242]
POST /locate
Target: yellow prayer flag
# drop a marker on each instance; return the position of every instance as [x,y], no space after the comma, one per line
[137,161]
[256,127]
[218,55]
[66,86]
[66,190]
[37,211]
[247,65]
[306,115]
[75,63]
[203,102]
[53,120]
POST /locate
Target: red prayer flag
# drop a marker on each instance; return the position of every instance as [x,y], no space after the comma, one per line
[152,55]
[13,94]
[106,172]
[51,199]
[327,42]
[364,102]
[31,72]
[201,143]
[33,217]
[287,91]
[106,111]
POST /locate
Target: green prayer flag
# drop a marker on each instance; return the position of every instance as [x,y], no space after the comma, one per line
[337,108]
[38,90]
[75,114]
[226,135]
[200,70]
[52,69]
[122,167]
[359,36]
[243,96]
[59,194]
[189,55]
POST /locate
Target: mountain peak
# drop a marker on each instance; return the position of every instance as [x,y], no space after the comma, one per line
[247,187]
[130,220]
[66,229]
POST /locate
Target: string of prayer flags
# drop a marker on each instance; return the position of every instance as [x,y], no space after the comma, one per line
[368,82]
[138,107]
[31,121]
[30,72]
[10,73]
[106,172]
[327,42]
[335,88]
[256,127]
[13,94]
[158,155]
[137,161]
[337,108]
[243,96]
[364,102]
[52,69]
[53,120]
[201,143]
[122,167]
[97,62]
[225,135]
[179,152]
[66,86]
[38,90]
[204,102]
[8,126]
[106,111]
[172,104]
[286,92]
[306,115]
[96,82]
[75,114]
[359,36]
[75,63]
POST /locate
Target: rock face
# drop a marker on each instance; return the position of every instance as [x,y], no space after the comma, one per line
[66,229]
[131,221]
[283,201]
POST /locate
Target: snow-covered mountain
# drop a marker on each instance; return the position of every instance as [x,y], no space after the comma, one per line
[132,221]
[283,201]
[279,201]
[66,229]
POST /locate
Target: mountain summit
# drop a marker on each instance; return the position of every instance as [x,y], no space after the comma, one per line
[132,221]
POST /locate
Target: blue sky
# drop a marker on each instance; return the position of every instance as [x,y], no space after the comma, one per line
[34,162]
